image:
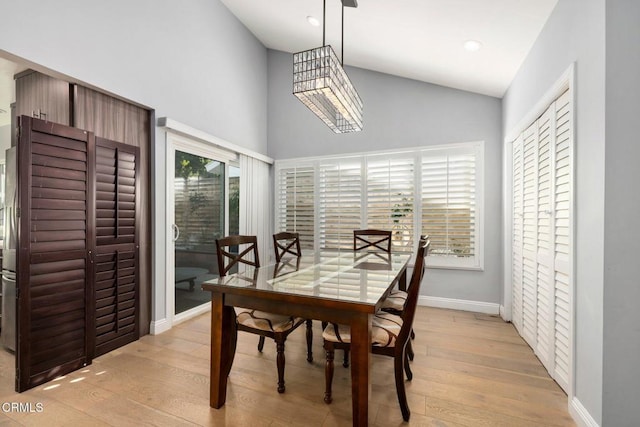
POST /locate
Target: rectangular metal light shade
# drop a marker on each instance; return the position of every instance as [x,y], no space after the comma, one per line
[320,82]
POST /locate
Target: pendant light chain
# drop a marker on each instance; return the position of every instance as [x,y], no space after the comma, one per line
[324,20]
[342,47]
[324,29]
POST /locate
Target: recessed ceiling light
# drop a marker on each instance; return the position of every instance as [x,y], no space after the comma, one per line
[313,21]
[472,45]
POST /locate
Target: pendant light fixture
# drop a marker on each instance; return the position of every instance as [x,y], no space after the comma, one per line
[320,82]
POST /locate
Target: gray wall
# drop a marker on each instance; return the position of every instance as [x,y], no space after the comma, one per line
[575,32]
[195,63]
[402,113]
[621,230]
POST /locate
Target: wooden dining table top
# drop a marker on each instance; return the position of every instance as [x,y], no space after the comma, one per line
[341,277]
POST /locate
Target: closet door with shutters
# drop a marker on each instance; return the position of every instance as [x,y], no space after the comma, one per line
[529,235]
[117,248]
[544,259]
[54,268]
[562,278]
[541,255]
[516,267]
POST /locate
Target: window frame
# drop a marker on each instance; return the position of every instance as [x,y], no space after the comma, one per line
[475,262]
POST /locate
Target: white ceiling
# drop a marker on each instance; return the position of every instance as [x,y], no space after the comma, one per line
[416,39]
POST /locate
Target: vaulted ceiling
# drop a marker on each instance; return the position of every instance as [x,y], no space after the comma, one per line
[417,39]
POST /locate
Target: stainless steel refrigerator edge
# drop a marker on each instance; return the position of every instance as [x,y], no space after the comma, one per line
[8,335]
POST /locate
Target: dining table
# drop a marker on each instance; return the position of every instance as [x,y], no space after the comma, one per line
[338,286]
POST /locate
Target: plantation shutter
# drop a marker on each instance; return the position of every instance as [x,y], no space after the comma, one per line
[390,198]
[529,235]
[541,257]
[340,203]
[296,203]
[544,324]
[517,265]
[562,230]
[449,202]
[54,270]
[117,249]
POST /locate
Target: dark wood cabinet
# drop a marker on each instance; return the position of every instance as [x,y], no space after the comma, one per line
[44,97]
[78,260]
[88,203]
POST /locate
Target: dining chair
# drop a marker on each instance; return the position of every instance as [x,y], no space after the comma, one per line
[381,240]
[397,298]
[286,243]
[275,326]
[395,302]
[389,336]
[371,238]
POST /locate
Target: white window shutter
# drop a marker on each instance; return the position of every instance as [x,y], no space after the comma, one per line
[340,197]
[390,198]
[449,202]
[434,190]
[295,203]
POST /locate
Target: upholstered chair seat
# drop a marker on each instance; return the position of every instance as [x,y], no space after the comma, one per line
[266,321]
[384,331]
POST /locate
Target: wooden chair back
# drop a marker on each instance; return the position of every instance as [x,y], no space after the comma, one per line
[371,238]
[414,290]
[286,243]
[223,248]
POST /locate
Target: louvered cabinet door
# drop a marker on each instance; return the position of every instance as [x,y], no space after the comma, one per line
[542,235]
[562,230]
[517,264]
[117,257]
[56,224]
[529,236]
[544,266]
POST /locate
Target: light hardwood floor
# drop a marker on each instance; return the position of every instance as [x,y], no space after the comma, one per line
[469,370]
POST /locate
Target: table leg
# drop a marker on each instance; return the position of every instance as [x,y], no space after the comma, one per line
[360,367]
[223,348]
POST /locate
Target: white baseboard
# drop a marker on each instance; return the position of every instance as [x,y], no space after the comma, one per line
[580,415]
[460,304]
[159,326]
[191,313]
[503,314]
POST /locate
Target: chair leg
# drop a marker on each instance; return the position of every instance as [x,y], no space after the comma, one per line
[261,344]
[345,361]
[398,361]
[407,368]
[280,363]
[309,341]
[413,334]
[409,350]
[328,373]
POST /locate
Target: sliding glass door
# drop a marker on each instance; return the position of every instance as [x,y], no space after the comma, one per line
[205,202]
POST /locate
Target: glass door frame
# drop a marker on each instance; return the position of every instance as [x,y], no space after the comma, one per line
[209,151]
